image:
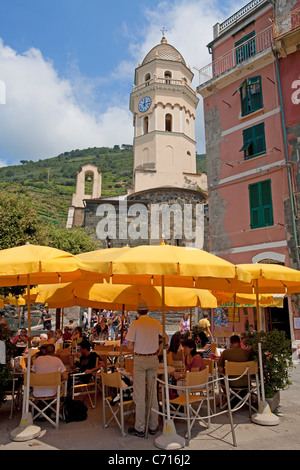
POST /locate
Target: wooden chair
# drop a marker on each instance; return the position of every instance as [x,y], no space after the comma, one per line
[242,393]
[129,364]
[113,343]
[52,403]
[121,408]
[178,364]
[195,384]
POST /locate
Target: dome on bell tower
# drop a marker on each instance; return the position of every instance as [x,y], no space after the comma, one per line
[164,51]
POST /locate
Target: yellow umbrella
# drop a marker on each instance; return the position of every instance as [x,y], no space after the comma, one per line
[11,300]
[24,266]
[118,296]
[180,266]
[273,278]
[44,264]
[226,299]
[165,265]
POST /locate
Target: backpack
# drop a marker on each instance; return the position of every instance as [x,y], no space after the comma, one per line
[74,410]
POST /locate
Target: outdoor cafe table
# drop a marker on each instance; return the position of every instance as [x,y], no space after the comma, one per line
[112,355]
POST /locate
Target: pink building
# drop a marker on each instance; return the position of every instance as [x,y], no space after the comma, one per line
[252,131]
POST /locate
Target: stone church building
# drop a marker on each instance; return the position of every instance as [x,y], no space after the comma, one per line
[169,198]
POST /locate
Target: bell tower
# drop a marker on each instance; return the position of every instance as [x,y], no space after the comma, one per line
[163,105]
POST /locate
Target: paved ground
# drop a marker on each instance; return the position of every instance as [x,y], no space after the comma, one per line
[90,434]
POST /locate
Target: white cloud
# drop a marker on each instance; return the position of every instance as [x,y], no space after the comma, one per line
[42,118]
[45,115]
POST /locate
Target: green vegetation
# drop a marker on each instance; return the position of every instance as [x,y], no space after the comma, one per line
[52,181]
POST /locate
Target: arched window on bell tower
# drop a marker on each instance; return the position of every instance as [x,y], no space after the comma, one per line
[168,76]
[168,122]
[147,78]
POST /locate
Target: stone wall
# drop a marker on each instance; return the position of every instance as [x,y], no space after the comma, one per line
[124,225]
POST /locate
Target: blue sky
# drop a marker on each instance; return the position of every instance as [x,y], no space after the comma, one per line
[67,67]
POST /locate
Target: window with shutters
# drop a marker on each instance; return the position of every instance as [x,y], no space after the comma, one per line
[261,207]
[251,95]
[245,48]
[254,142]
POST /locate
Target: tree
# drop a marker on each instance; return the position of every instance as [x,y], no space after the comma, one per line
[75,240]
[19,222]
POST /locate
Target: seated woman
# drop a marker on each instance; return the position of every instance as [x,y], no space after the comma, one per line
[192,361]
[67,334]
[175,351]
[58,339]
[77,335]
[205,344]
[100,331]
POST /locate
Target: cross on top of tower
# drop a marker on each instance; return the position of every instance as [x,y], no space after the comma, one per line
[163,31]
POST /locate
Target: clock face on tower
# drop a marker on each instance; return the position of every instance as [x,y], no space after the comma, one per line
[144,104]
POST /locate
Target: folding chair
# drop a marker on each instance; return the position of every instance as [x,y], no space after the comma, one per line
[178,364]
[122,408]
[129,364]
[113,343]
[235,371]
[14,390]
[196,391]
[52,403]
[211,367]
[88,389]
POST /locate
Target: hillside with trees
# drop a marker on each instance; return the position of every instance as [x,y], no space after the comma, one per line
[51,182]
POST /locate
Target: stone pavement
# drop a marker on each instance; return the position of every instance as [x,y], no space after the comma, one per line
[90,434]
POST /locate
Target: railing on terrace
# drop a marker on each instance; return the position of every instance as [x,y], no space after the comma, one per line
[236,17]
[167,81]
[236,56]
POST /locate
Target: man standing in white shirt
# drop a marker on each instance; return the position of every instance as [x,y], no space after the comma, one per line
[143,338]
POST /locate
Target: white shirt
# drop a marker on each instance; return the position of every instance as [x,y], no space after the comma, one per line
[46,365]
[144,333]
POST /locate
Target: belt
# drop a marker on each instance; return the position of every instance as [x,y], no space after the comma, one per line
[138,354]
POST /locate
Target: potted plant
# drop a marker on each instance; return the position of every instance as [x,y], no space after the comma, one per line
[276,359]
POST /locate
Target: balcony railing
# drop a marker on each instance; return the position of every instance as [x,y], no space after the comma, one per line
[166,81]
[239,15]
[236,56]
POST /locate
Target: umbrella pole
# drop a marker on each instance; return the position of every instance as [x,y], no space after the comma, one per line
[263,416]
[26,430]
[190,322]
[169,439]
[234,307]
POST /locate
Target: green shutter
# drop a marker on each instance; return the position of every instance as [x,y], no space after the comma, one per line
[254,143]
[255,93]
[266,201]
[244,98]
[261,208]
[254,205]
[259,139]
